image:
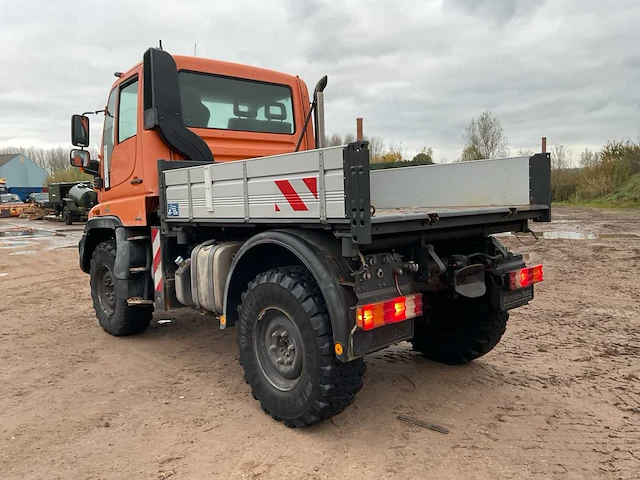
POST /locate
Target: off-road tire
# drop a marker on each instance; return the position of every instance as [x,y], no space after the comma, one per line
[66,215]
[325,385]
[114,315]
[459,332]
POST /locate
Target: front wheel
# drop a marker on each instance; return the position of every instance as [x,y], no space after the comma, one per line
[459,331]
[114,314]
[287,351]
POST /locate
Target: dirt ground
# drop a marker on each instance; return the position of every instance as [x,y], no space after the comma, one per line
[558,398]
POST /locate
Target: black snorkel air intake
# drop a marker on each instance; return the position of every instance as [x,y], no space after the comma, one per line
[317,107]
[163,109]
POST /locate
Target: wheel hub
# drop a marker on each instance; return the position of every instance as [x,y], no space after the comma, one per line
[106,290]
[278,346]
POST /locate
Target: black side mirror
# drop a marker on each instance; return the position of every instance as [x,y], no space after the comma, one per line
[79,158]
[80,130]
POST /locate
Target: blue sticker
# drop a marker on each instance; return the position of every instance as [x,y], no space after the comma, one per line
[173,210]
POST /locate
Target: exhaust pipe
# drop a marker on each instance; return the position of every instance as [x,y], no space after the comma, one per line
[317,107]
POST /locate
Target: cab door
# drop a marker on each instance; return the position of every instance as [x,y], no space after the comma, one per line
[119,141]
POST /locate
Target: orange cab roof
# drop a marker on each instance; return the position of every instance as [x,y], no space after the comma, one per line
[207,65]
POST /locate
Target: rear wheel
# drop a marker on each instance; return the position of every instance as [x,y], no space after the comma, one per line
[114,314]
[460,331]
[66,214]
[287,351]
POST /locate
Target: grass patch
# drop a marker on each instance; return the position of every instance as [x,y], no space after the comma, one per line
[625,196]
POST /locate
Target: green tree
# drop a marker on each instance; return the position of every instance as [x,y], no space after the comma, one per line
[425,157]
[484,138]
[470,152]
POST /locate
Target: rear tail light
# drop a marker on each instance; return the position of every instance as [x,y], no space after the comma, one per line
[380,314]
[525,277]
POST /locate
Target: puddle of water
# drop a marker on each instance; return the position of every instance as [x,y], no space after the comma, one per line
[4,245]
[23,252]
[26,232]
[568,235]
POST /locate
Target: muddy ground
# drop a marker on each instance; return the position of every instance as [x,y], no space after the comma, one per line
[558,398]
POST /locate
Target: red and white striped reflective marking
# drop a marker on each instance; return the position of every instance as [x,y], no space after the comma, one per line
[292,191]
[157,259]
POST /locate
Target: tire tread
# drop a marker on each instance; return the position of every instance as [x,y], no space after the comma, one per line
[133,320]
[339,381]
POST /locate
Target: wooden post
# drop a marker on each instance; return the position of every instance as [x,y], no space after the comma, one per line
[544,144]
[359,134]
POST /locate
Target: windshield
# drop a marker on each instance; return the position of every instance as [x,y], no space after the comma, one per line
[41,196]
[210,101]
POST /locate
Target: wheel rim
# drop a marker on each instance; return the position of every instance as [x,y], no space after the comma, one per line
[279,349]
[106,290]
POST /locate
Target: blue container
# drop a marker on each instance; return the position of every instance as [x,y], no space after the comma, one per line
[23,192]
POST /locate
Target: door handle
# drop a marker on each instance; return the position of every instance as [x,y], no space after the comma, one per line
[136,181]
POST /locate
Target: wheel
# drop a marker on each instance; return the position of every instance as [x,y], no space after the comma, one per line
[287,351]
[459,332]
[114,315]
[68,220]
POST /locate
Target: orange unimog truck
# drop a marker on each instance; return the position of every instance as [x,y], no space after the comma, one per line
[216,192]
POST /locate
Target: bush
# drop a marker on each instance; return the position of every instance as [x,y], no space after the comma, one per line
[564,184]
[617,162]
[563,192]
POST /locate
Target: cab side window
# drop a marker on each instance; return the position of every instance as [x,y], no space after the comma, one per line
[108,131]
[127,112]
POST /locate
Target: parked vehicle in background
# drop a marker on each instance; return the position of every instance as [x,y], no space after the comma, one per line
[10,198]
[71,200]
[10,205]
[3,186]
[315,259]
[39,198]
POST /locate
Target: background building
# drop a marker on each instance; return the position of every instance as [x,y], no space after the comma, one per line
[23,175]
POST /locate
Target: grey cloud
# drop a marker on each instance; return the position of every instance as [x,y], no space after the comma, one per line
[499,10]
[417,71]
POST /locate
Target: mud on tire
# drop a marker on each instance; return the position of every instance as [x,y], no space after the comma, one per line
[114,315]
[287,350]
[459,332]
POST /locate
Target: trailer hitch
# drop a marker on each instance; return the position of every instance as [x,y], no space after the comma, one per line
[469,281]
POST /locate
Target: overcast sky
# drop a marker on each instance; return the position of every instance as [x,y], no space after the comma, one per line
[417,71]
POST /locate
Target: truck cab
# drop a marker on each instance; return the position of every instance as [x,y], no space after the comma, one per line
[208,109]
[215,192]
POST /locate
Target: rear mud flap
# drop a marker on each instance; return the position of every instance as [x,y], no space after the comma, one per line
[504,300]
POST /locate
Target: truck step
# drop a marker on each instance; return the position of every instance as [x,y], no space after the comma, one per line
[138,301]
[139,269]
[138,238]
